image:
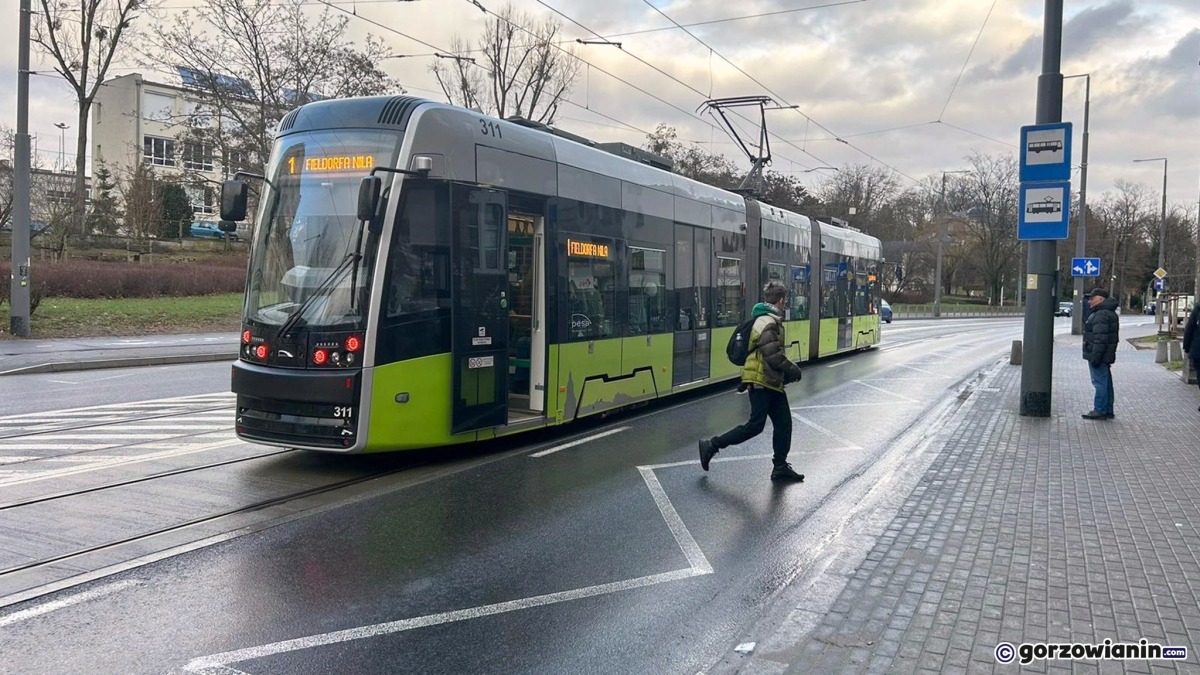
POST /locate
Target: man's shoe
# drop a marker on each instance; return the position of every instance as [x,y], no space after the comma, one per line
[1093,415]
[707,450]
[784,472]
[1109,416]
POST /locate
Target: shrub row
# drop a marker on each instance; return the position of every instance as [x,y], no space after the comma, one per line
[90,279]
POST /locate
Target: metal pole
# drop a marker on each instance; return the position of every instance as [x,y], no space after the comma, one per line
[1080,307]
[19,296]
[1037,364]
[937,291]
[1162,244]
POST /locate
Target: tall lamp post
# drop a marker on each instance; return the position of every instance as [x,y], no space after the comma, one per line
[1162,235]
[62,144]
[1081,236]
[937,274]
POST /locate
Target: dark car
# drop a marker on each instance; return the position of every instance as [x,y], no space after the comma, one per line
[885,311]
[1149,308]
[1064,309]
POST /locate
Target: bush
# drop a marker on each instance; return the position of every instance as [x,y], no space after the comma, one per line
[89,279]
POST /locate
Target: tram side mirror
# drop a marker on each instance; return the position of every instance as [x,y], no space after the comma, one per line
[227,226]
[234,194]
[368,197]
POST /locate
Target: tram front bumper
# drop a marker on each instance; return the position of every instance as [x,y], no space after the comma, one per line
[297,408]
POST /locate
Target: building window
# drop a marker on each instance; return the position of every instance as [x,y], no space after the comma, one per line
[202,199]
[158,107]
[158,151]
[197,156]
[237,160]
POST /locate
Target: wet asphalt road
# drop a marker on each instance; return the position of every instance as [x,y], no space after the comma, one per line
[615,555]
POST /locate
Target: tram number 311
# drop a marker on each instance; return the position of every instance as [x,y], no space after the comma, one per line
[343,412]
[489,128]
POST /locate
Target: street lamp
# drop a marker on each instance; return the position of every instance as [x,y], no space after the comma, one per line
[937,291]
[1081,237]
[62,145]
[1162,234]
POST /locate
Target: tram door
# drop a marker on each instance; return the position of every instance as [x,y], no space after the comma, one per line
[481,307]
[527,315]
[693,279]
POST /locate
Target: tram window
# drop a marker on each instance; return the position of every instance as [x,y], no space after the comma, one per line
[799,296]
[591,291]
[647,291]
[703,276]
[685,282]
[860,287]
[777,272]
[835,286]
[730,293]
[418,276]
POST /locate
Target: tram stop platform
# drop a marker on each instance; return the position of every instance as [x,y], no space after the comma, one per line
[28,357]
[1022,530]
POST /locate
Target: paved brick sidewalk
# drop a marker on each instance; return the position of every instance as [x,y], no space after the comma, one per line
[1029,530]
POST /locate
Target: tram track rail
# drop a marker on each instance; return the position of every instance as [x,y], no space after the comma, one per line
[191,523]
[86,425]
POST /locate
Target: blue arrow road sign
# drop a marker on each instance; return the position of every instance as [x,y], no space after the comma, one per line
[1046,152]
[1045,211]
[1085,267]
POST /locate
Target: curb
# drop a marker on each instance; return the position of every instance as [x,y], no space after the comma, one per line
[67,366]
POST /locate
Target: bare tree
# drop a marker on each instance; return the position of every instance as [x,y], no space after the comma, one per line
[143,202]
[988,196]
[865,188]
[82,37]
[525,73]
[1128,213]
[252,62]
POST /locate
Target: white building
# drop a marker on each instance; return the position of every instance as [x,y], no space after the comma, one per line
[136,120]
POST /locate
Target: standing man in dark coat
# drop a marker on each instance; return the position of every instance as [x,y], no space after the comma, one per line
[1191,339]
[1101,333]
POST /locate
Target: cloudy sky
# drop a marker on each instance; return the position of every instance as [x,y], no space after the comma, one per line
[912,84]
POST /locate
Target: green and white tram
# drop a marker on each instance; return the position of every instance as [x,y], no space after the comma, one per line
[424,275]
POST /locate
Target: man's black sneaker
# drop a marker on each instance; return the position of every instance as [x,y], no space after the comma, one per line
[1109,416]
[1093,415]
[784,472]
[707,450]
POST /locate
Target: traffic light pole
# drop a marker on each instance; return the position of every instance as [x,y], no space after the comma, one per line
[1038,359]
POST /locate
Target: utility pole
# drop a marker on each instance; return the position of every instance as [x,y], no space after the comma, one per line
[1080,307]
[1162,239]
[1037,364]
[937,291]
[19,295]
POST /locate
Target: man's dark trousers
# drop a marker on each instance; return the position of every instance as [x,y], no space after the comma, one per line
[1102,381]
[764,403]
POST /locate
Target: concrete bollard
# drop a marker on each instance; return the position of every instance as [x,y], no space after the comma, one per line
[1175,350]
[1015,357]
[1160,353]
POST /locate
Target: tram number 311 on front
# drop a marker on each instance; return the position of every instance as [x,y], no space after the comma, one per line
[343,411]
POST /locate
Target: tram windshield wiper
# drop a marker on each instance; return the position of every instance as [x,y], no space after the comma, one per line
[351,258]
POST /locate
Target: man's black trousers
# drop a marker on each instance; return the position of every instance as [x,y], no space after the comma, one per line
[764,403]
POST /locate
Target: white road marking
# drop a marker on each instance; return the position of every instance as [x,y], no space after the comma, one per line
[927,372]
[48,607]
[837,365]
[848,405]
[885,391]
[119,461]
[218,664]
[850,445]
[581,441]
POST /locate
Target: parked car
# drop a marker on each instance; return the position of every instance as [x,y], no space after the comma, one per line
[885,311]
[1150,308]
[1064,309]
[208,230]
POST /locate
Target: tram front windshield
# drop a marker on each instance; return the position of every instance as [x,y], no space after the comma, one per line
[308,229]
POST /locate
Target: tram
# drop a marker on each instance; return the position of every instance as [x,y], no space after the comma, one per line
[424,275]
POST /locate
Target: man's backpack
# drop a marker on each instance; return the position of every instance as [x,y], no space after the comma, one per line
[739,343]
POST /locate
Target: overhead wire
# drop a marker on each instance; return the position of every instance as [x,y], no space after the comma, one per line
[660,71]
[779,98]
[968,60]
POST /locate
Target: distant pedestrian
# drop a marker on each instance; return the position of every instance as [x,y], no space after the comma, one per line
[766,372]
[1101,333]
[1191,340]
